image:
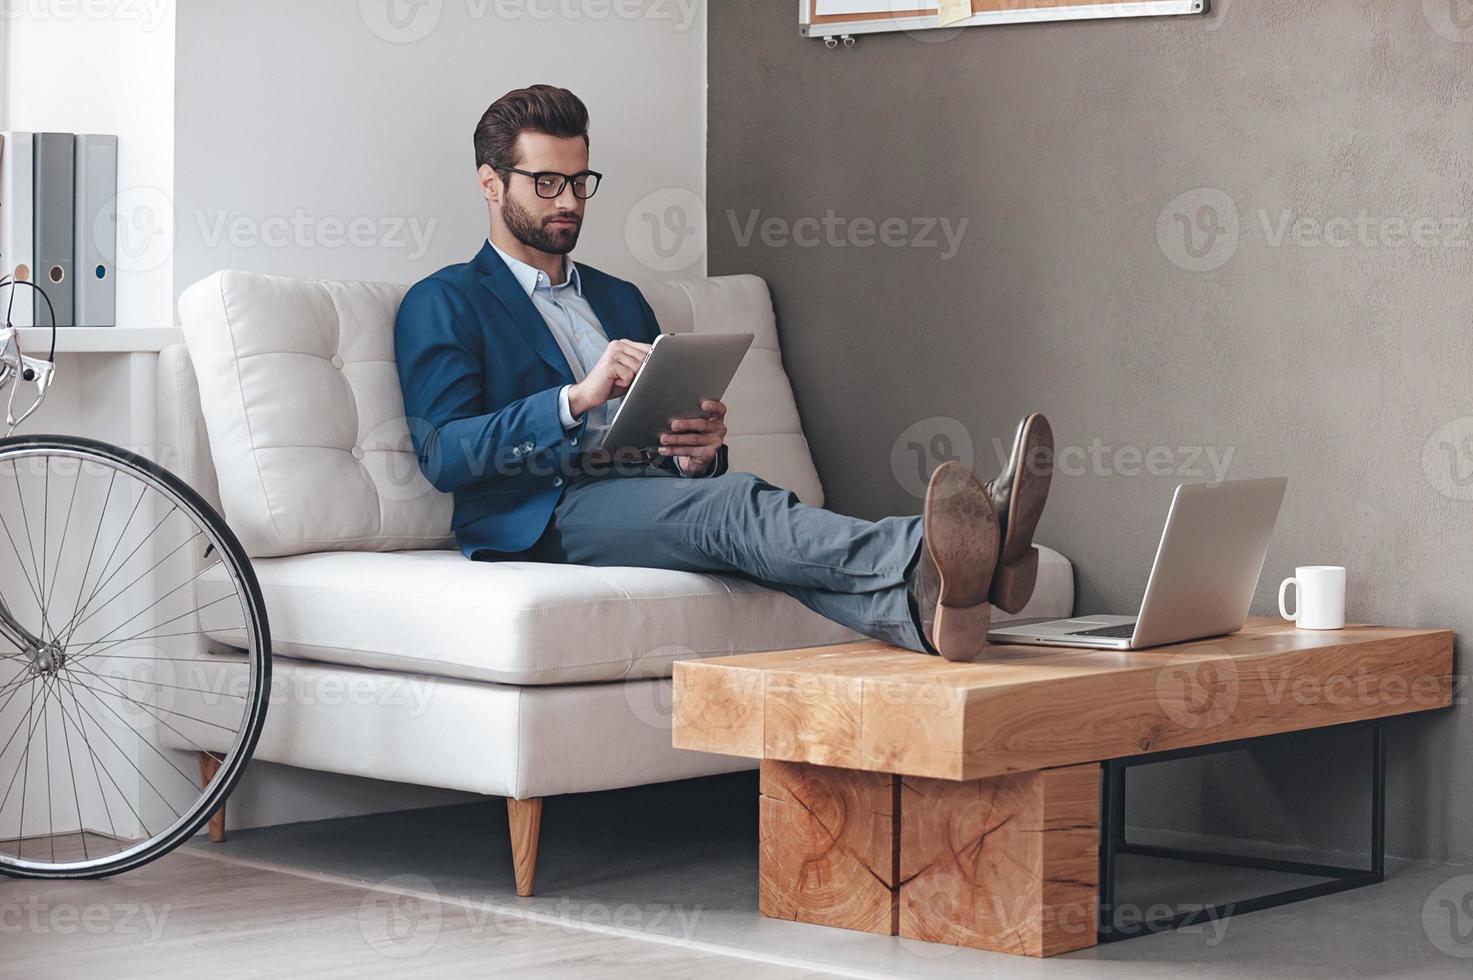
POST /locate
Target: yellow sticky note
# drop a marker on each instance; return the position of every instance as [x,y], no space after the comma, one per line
[953,11]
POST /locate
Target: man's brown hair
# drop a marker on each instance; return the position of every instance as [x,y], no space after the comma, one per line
[539,108]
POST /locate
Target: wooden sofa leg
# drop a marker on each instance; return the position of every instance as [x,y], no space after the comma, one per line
[525,818]
[209,764]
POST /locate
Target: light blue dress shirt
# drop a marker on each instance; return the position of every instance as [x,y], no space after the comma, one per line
[576,329]
[578,333]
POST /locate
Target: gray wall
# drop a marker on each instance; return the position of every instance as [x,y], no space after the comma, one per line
[1336,350]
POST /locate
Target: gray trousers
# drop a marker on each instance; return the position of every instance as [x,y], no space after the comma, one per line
[849,570]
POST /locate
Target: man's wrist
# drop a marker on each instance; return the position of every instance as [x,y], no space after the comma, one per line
[692,470]
[564,411]
[576,402]
[570,411]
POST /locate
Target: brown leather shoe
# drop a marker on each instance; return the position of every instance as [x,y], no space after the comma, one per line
[961,537]
[1018,494]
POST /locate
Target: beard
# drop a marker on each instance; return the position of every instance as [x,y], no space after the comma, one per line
[535,234]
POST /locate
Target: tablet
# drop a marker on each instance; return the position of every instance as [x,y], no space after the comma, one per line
[681,371]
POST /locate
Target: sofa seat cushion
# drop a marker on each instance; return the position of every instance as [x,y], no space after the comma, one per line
[435,612]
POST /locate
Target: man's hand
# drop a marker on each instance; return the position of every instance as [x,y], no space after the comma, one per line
[610,377]
[694,442]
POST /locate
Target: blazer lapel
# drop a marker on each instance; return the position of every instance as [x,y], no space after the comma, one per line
[504,286]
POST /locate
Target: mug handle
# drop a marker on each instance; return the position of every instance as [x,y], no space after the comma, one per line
[1283,594]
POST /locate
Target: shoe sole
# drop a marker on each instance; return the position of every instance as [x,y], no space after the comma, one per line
[1017,572]
[961,532]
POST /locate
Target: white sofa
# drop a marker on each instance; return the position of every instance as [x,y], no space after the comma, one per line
[512,679]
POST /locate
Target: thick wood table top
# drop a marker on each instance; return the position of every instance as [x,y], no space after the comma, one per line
[880,708]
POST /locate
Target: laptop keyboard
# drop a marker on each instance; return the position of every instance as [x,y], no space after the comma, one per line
[1124,631]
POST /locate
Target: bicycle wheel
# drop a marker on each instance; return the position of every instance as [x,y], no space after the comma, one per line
[134,648]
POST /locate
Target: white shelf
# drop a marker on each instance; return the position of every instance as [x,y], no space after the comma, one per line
[36,341]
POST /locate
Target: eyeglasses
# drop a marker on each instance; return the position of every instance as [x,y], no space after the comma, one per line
[550,183]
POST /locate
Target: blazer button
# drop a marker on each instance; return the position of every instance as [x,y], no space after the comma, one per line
[557,481]
[573,441]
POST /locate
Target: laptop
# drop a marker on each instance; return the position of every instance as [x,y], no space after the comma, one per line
[1203,579]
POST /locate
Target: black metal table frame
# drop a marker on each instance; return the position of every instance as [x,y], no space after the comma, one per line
[1113,842]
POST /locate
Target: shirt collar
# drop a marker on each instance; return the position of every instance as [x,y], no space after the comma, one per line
[529,277]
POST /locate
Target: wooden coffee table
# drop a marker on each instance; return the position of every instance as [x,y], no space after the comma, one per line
[962,803]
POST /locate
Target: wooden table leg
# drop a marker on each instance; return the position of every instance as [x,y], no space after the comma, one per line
[827,850]
[1007,863]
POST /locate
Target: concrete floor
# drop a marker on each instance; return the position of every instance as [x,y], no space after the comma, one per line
[665,879]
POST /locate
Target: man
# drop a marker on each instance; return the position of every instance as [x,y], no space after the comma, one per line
[513,363]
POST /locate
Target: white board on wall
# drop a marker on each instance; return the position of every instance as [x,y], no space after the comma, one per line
[834,18]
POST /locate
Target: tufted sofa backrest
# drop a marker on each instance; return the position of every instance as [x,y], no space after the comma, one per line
[304,419]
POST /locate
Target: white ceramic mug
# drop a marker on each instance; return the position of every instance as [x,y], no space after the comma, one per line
[1319,600]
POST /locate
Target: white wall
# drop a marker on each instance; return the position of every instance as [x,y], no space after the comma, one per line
[295,121]
[107,66]
[248,122]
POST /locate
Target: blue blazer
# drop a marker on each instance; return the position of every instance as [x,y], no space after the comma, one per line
[480,373]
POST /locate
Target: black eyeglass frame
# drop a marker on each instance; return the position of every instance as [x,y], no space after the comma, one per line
[537,175]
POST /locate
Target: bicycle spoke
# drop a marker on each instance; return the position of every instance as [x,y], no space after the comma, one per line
[82,654]
[114,597]
[149,656]
[116,545]
[31,544]
[92,551]
[65,525]
[92,754]
[46,746]
[14,731]
[25,771]
[122,565]
[76,796]
[20,561]
[126,758]
[172,687]
[170,762]
[76,619]
[142,706]
[45,522]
